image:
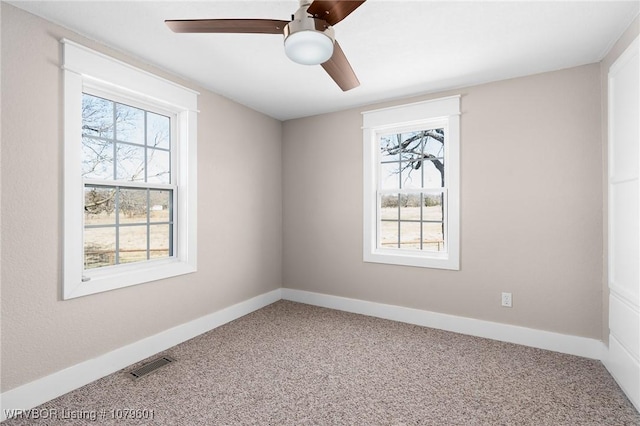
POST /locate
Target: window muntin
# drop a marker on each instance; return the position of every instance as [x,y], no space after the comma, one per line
[128,191]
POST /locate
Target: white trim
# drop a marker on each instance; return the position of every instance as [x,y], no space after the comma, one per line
[73,188]
[442,112]
[86,67]
[121,76]
[623,356]
[624,325]
[629,53]
[408,113]
[564,343]
[49,387]
[625,369]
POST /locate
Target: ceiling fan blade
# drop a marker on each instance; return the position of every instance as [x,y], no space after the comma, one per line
[333,11]
[252,26]
[340,70]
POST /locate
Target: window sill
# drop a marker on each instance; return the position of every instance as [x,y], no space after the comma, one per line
[411,258]
[112,278]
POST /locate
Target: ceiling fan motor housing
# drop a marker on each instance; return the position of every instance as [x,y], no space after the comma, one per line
[308,40]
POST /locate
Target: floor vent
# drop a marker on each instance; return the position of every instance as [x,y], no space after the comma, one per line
[151,366]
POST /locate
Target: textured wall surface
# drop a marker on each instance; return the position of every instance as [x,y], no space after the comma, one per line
[531,218]
[239,217]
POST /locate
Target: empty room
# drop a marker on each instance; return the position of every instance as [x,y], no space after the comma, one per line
[320,212]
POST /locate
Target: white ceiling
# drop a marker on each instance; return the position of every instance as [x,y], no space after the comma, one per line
[397,48]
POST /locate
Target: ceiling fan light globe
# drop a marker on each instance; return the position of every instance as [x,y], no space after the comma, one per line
[308,47]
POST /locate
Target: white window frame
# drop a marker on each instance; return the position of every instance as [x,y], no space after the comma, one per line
[436,113]
[86,69]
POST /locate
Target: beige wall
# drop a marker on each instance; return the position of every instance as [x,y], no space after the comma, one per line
[616,50]
[239,231]
[532,212]
[531,219]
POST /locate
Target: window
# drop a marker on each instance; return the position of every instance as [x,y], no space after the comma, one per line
[411,187]
[129,190]
[129,172]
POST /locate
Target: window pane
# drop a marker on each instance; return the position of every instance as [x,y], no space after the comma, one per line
[410,207]
[99,247]
[129,124]
[410,235]
[160,241]
[99,205]
[389,234]
[434,143]
[411,174]
[390,175]
[130,163]
[133,243]
[160,204]
[389,206]
[158,131]
[389,148]
[432,209]
[97,116]
[132,206]
[411,145]
[97,158]
[433,176]
[432,237]
[158,166]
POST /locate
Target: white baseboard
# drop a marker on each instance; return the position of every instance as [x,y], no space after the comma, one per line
[625,369]
[573,345]
[42,390]
[47,388]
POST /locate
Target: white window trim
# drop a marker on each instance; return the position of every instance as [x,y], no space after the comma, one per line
[379,121]
[84,67]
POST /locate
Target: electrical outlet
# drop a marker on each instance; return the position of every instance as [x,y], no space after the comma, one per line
[506,300]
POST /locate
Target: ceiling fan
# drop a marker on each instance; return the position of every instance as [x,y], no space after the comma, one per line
[309,38]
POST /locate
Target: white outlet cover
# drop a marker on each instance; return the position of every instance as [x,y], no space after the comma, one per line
[506,300]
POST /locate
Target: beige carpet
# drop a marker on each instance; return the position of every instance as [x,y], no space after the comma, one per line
[294,364]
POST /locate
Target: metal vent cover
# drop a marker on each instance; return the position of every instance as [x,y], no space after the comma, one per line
[151,366]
